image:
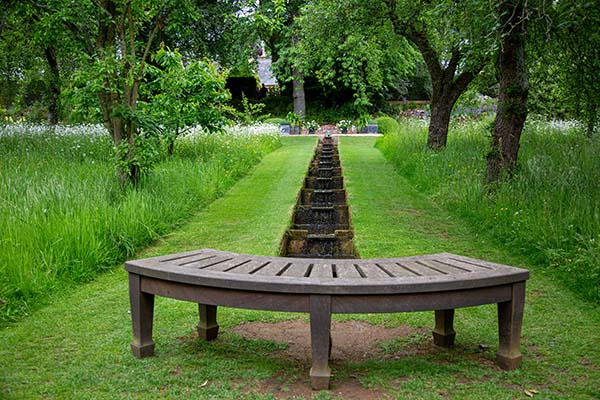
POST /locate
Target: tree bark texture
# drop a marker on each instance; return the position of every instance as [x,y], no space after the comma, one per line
[442,101]
[54,85]
[514,88]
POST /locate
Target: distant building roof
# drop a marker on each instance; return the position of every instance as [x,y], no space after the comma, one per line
[264,72]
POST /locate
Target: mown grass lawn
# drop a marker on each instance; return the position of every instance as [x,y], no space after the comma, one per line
[78,346]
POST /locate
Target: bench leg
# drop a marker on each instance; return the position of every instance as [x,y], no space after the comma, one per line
[207,327]
[320,339]
[443,333]
[142,314]
[510,320]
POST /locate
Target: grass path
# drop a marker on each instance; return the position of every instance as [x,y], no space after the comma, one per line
[77,347]
[561,339]
[253,216]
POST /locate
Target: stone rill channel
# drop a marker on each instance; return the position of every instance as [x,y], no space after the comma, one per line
[321,223]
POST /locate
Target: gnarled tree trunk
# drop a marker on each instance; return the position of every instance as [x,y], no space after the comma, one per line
[514,88]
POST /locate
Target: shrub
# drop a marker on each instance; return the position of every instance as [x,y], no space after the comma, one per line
[387,125]
[276,121]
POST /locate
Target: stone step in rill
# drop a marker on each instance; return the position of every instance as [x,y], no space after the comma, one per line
[334,182]
[320,197]
[299,243]
[324,172]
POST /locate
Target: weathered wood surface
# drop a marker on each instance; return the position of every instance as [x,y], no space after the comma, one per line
[429,273]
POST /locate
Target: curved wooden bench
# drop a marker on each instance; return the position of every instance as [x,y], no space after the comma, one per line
[439,282]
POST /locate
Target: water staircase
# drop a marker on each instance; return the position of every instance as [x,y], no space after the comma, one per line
[321,223]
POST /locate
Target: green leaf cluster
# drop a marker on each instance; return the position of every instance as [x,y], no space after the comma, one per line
[183,93]
[351,45]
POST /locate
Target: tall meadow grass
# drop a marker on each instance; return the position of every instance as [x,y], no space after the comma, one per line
[64,217]
[549,211]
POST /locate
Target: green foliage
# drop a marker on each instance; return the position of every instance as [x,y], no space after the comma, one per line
[468,31]
[548,211]
[183,94]
[294,118]
[143,154]
[64,217]
[251,111]
[276,121]
[351,45]
[363,120]
[217,30]
[387,125]
[566,47]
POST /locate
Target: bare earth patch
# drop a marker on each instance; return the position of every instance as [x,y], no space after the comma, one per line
[352,340]
[347,389]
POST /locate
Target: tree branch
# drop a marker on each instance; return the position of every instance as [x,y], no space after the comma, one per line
[430,56]
[453,63]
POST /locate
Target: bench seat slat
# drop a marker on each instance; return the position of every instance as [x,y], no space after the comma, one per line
[418,269]
[248,267]
[345,270]
[441,268]
[396,270]
[473,266]
[371,271]
[206,262]
[296,270]
[321,271]
[272,268]
[229,265]
[180,256]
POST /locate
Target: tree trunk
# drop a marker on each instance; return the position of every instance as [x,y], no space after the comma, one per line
[444,96]
[514,87]
[298,86]
[134,168]
[437,135]
[592,116]
[299,98]
[54,85]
